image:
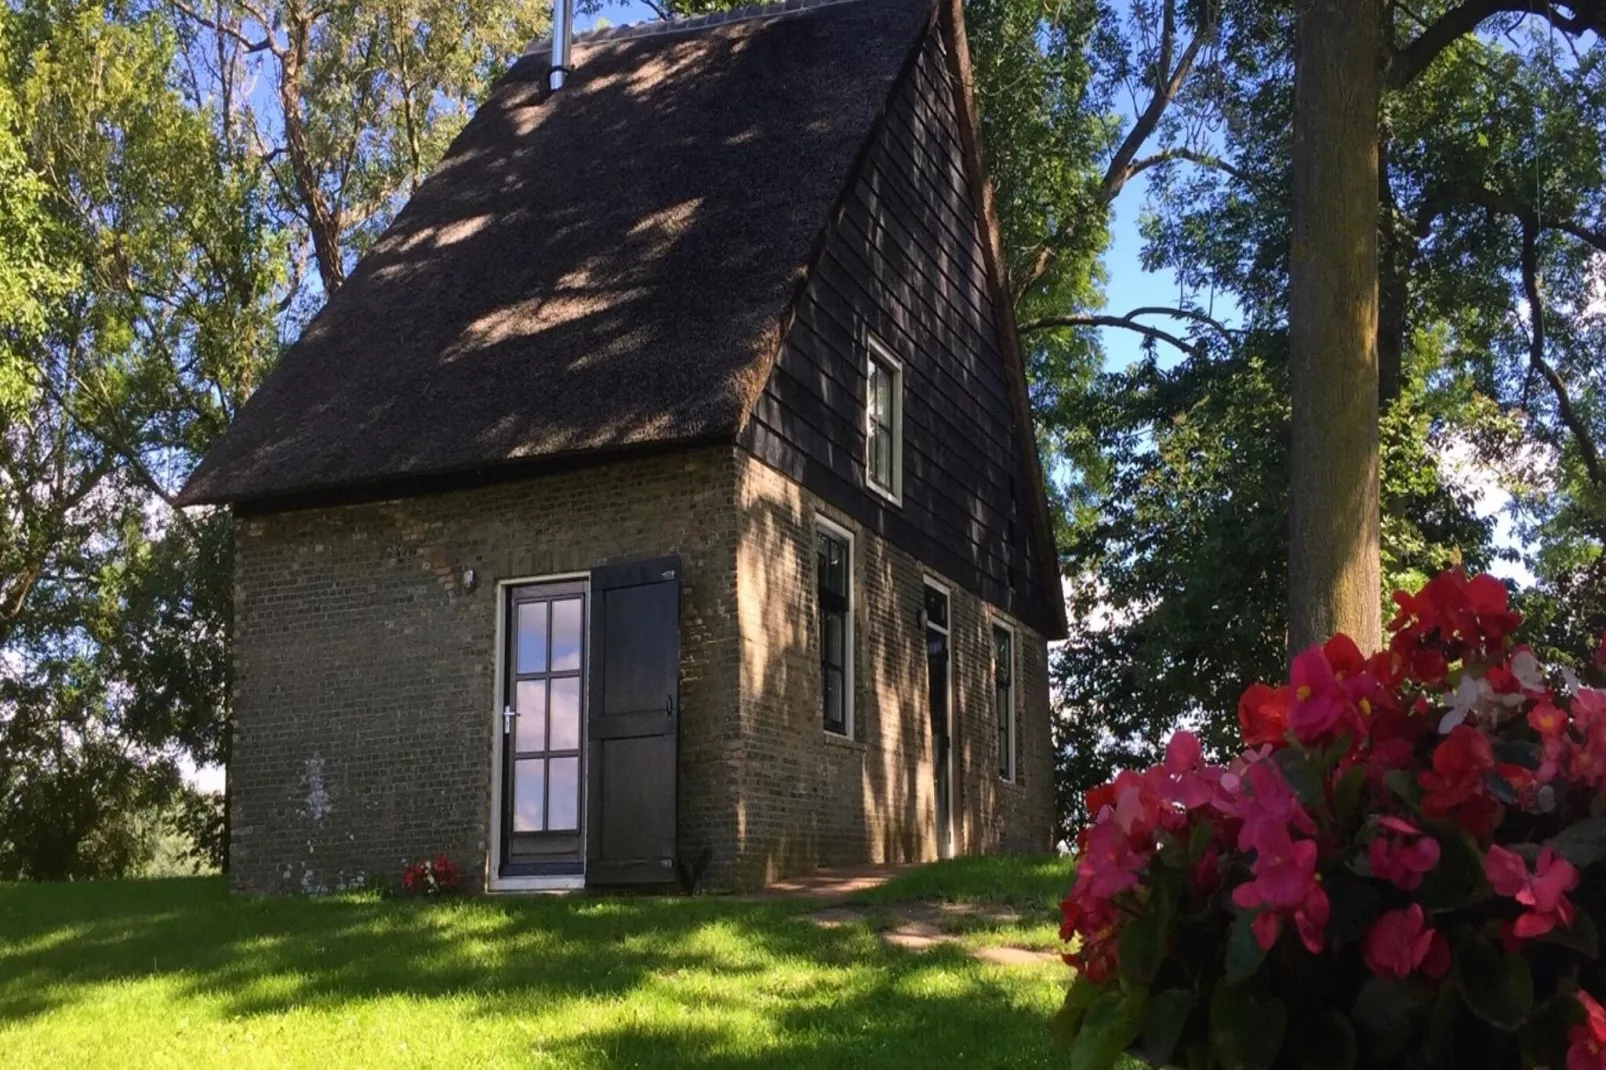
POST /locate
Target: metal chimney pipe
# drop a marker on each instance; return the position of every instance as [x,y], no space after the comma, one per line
[562,32]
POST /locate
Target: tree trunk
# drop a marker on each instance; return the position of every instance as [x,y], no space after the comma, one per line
[1335,579]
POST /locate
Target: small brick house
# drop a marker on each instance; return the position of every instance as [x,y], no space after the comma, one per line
[660,492]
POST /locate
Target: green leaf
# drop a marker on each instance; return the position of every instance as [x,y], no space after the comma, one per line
[1302,777]
[1391,1016]
[1544,1039]
[1347,795]
[1142,945]
[1583,844]
[1403,784]
[1499,987]
[1583,937]
[1111,1025]
[1517,752]
[1244,953]
[1163,1025]
[1352,904]
[1326,1042]
[1246,1033]
[1067,1020]
[1458,880]
[1204,833]
[1442,1027]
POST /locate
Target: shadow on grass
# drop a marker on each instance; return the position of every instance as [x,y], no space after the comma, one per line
[647,982]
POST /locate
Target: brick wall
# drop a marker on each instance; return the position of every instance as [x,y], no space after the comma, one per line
[810,798]
[365,696]
[366,702]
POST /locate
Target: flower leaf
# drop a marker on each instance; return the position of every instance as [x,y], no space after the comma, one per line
[1244,953]
[1067,1021]
[1326,1042]
[1583,844]
[1347,795]
[1246,1033]
[1163,1025]
[1499,987]
[1458,880]
[1302,777]
[1403,784]
[1111,1025]
[1142,944]
[1391,1015]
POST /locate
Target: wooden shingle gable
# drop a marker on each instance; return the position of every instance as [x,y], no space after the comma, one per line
[911,258]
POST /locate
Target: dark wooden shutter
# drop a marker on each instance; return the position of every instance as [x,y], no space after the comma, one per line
[634,722]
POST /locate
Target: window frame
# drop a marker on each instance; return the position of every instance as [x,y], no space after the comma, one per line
[878,355]
[1007,766]
[829,528]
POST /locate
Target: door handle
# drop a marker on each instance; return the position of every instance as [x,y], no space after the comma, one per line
[508,716]
[669,705]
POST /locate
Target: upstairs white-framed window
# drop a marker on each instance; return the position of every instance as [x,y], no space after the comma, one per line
[1004,697]
[883,421]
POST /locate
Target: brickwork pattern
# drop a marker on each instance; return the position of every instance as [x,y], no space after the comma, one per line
[365,698]
[810,798]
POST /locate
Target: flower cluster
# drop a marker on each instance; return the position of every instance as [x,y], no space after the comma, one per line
[432,876]
[1396,869]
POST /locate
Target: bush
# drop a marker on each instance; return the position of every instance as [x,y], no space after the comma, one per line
[1400,872]
[432,877]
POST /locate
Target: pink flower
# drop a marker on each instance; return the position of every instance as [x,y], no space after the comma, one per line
[1269,806]
[1405,857]
[1184,779]
[1285,885]
[1319,701]
[1544,892]
[1109,865]
[1399,943]
[1587,1047]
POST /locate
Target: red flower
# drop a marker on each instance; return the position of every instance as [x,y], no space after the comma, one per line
[1263,714]
[1459,764]
[1399,943]
[1405,857]
[1546,719]
[1544,892]
[1587,1048]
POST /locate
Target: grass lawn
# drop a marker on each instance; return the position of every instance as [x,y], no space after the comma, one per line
[177,973]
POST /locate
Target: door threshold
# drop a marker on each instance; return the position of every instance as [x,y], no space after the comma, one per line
[516,885]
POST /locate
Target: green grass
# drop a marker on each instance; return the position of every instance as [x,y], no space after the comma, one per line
[1031,887]
[177,973]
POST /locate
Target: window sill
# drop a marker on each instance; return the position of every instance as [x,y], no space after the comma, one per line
[527,885]
[835,739]
[890,497]
[1012,785]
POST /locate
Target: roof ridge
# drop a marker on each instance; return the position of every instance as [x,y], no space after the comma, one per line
[632,31]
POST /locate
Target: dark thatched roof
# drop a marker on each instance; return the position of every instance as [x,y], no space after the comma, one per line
[599,268]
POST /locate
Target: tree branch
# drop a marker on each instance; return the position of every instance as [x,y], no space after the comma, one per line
[264,45]
[1168,83]
[1405,64]
[1129,322]
[1203,159]
[1536,356]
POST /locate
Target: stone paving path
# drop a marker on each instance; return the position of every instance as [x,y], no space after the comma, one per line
[912,926]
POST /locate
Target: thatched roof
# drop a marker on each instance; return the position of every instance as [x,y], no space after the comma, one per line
[599,268]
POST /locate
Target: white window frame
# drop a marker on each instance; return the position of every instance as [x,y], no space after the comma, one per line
[946,849]
[1014,685]
[494,883]
[830,527]
[878,353]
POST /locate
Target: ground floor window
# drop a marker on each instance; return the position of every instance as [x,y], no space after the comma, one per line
[1004,698]
[833,581]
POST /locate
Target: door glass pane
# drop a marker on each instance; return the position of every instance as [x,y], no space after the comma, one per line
[566,635]
[530,704]
[529,794]
[564,811]
[565,713]
[532,636]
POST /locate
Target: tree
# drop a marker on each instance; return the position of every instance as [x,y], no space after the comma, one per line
[1334,521]
[161,321]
